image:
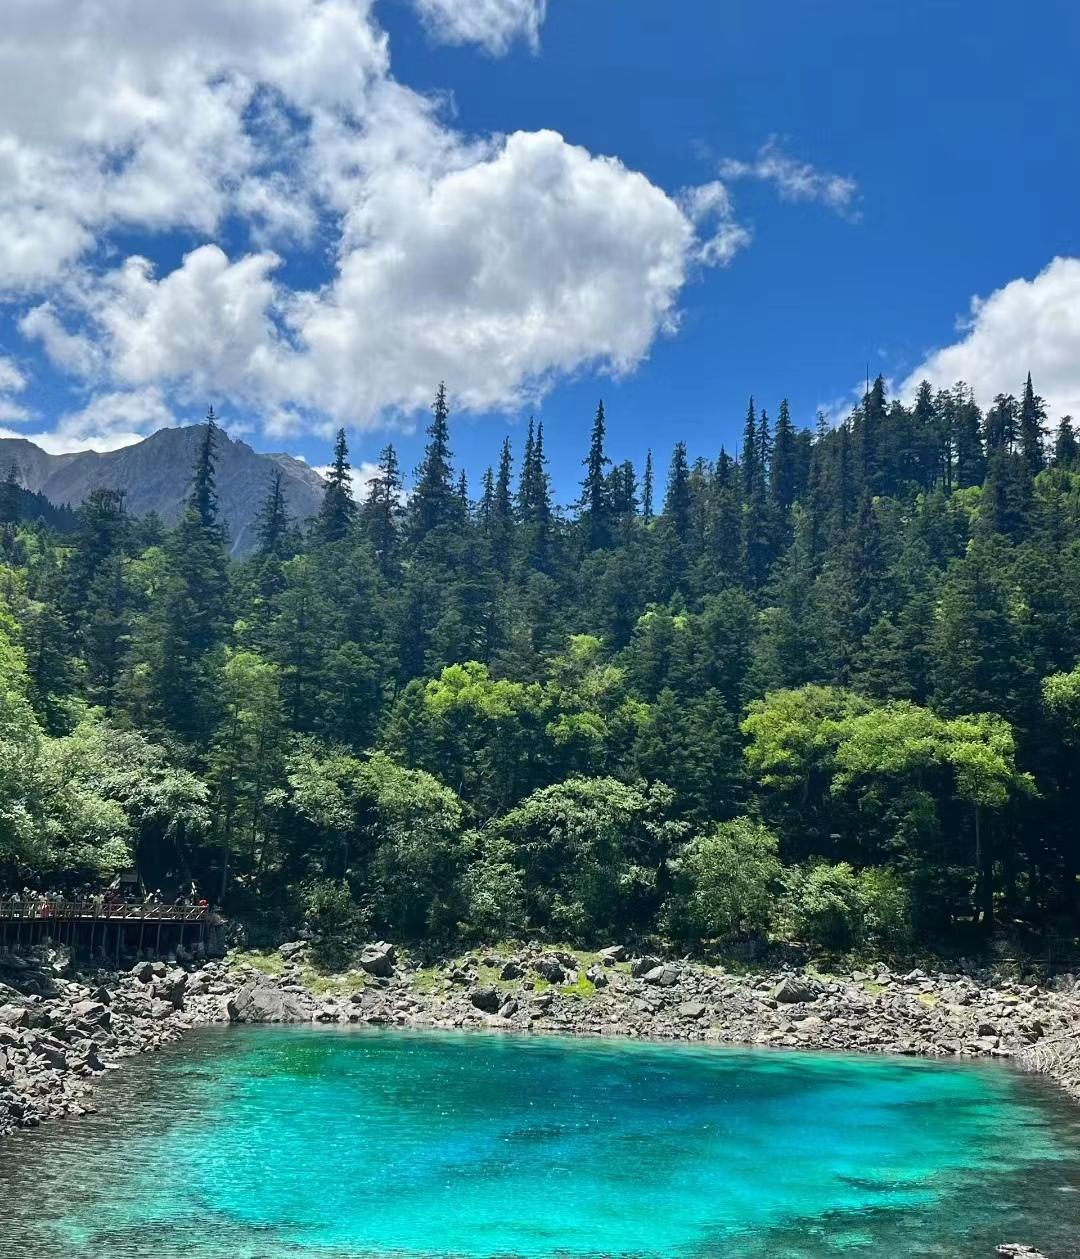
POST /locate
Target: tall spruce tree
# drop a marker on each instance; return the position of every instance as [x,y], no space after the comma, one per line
[1066,447]
[272,522]
[1032,428]
[647,489]
[595,501]
[434,502]
[11,496]
[338,509]
[784,479]
[383,510]
[190,616]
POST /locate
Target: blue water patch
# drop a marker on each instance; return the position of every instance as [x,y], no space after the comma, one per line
[331,1143]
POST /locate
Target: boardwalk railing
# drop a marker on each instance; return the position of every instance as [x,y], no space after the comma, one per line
[37,909]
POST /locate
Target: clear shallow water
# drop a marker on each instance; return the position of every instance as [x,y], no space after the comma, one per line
[321,1143]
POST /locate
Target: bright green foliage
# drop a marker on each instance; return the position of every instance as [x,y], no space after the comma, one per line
[726,883]
[589,852]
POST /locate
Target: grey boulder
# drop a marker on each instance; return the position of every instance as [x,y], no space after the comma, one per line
[260,1003]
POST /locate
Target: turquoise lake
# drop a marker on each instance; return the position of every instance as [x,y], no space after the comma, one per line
[258,1143]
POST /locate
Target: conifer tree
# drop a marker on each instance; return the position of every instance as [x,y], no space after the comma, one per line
[338,508]
[272,522]
[970,457]
[433,504]
[677,498]
[764,447]
[748,456]
[383,510]
[1032,428]
[191,614]
[485,509]
[10,496]
[1066,448]
[534,501]
[647,490]
[203,498]
[502,513]
[1001,425]
[595,502]
[783,481]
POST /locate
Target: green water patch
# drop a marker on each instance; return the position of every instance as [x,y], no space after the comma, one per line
[345,1144]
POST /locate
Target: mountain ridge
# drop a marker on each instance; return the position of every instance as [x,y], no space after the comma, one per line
[155,474]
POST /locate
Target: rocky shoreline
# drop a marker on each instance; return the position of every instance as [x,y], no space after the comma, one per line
[58,1030]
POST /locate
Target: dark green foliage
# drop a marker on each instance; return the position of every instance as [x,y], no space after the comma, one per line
[827,692]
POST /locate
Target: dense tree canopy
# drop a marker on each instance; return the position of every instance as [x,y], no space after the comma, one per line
[830,691]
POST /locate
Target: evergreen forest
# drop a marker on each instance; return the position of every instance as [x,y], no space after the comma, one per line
[822,689]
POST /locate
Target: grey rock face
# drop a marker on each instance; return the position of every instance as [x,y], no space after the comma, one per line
[261,1003]
[795,989]
[155,475]
[642,965]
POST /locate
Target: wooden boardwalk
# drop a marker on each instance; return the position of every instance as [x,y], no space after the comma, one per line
[111,927]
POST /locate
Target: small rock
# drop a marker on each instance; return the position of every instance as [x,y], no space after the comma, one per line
[664,975]
[641,966]
[613,953]
[691,1009]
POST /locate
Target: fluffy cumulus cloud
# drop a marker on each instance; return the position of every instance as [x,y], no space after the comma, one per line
[498,263]
[1028,325]
[494,24]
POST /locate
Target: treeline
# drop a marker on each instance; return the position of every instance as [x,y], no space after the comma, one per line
[824,688]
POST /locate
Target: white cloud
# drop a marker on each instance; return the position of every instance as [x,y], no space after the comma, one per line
[795,180]
[1027,325]
[712,202]
[12,380]
[363,473]
[497,277]
[115,112]
[494,24]
[499,264]
[109,421]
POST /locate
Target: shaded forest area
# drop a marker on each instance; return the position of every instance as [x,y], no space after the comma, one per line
[823,690]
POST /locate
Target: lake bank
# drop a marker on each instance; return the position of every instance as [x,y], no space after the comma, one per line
[58,1032]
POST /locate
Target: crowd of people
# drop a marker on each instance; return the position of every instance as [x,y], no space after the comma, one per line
[40,903]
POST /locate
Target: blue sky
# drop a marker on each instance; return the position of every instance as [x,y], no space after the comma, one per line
[348,200]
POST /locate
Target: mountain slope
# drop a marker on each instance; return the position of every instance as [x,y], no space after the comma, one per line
[155,474]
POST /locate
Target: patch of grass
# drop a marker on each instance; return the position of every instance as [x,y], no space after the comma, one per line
[929,999]
[324,985]
[582,990]
[426,979]
[268,963]
[875,990]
